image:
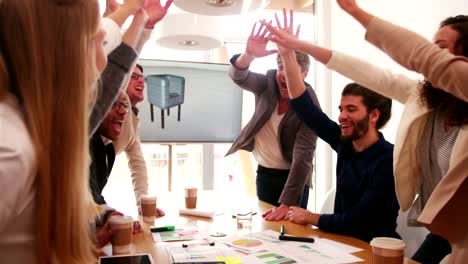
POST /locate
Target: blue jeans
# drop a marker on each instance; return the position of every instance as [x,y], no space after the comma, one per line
[433,249]
[270,184]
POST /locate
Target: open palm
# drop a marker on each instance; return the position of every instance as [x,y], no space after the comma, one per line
[156,12]
[257,42]
[283,34]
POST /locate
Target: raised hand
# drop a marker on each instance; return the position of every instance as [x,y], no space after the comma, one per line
[111,7]
[128,8]
[350,6]
[283,35]
[134,4]
[257,41]
[155,11]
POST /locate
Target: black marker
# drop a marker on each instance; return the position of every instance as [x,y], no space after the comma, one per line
[298,239]
[198,244]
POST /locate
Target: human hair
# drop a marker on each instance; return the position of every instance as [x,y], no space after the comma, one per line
[433,98]
[139,67]
[460,24]
[301,58]
[371,100]
[46,48]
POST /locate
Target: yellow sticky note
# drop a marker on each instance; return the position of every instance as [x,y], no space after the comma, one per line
[229,260]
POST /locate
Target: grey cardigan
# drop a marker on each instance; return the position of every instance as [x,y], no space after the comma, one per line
[297,141]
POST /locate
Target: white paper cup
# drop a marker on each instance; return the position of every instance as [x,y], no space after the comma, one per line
[122,228]
[191,194]
[148,207]
[387,250]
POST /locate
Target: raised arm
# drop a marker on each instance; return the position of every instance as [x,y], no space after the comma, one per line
[120,13]
[120,63]
[156,12]
[306,109]
[133,33]
[352,8]
[395,86]
[255,48]
[443,69]
[283,35]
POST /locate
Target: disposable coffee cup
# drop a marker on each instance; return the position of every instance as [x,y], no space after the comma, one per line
[122,230]
[148,208]
[387,250]
[191,197]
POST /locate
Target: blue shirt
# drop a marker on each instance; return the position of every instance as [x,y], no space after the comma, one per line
[365,203]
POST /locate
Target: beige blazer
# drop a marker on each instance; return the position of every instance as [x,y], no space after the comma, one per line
[129,141]
[445,213]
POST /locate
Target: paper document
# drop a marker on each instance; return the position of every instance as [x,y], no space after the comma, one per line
[176,235]
[201,253]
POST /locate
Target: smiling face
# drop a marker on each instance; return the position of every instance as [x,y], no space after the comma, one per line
[136,86]
[446,38]
[112,124]
[354,118]
[281,80]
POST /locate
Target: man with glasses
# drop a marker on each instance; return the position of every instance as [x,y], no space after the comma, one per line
[129,139]
[102,149]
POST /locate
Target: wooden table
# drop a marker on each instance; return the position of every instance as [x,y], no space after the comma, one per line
[143,242]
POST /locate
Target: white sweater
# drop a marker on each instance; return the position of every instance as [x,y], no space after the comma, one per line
[17,189]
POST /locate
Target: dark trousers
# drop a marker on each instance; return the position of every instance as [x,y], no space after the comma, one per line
[270,184]
[433,249]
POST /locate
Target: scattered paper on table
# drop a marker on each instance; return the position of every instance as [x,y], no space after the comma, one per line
[343,247]
[175,235]
[265,246]
[201,253]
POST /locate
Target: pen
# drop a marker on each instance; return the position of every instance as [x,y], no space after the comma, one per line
[199,244]
[299,239]
[162,228]
[282,230]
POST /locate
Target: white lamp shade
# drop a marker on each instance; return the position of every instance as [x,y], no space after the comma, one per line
[190,32]
[220,7]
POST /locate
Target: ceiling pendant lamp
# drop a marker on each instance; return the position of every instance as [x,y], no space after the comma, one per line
[190,32]
[220,7]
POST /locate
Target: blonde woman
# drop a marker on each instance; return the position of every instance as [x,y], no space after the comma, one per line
[50,57]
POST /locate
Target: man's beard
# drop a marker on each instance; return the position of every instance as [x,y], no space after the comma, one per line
[360,128]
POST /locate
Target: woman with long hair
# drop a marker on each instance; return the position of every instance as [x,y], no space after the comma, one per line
[50,58]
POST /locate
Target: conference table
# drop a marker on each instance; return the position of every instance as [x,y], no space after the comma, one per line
[226,223]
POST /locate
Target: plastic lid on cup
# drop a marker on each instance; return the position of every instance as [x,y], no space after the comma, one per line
[388,243]
[148,197]
[119,219]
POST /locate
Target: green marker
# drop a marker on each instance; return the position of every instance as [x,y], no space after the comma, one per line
[282,230]
[162,228]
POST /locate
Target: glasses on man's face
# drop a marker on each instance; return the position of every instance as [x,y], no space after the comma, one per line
[136,76]
[117,105]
